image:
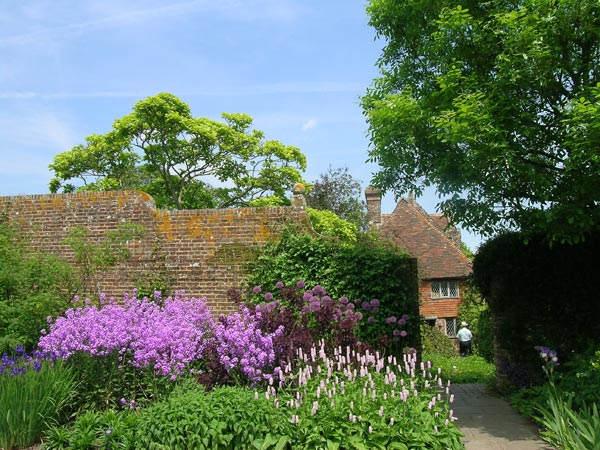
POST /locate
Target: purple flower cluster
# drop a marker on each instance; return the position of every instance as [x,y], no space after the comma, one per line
[21,362]
[165,335]
[242,346]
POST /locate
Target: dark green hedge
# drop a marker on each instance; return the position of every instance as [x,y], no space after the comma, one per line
[539,295]
[368,269]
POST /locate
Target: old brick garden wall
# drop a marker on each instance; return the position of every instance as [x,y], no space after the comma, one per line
[203,252]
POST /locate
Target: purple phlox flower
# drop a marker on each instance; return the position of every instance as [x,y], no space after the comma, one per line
[268,296]
[343,300]
[256,289]
[366,306]
[279,284]
[403,333]
[300,284]
[350,306]
[390,320]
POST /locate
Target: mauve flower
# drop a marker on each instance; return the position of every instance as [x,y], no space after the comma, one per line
[343,300]
[390,320]
[300,284]
[375,302]
[366,306]
[279,284]
[350,306]
[401,322]
[403,333]
[371,319]
[256,289]
[396,332]
[268,296]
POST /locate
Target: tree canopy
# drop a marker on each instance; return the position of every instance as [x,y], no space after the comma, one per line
[183,161]
[497,105]
[339,192]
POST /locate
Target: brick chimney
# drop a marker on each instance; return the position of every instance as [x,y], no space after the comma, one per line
[373,197]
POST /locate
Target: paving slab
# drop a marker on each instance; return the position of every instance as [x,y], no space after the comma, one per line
[490,423]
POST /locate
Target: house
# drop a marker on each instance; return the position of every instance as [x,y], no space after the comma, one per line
[443,268]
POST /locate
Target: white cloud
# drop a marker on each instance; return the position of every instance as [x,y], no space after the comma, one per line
[309,124]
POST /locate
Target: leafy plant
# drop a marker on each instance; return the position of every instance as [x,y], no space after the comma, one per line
[435,342]
[34,390]
[33,286]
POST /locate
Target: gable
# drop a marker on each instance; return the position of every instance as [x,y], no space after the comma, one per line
[423,237]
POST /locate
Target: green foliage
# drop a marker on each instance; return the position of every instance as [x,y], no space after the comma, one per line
[30,400]
[475,311]
[337,191]
[32,286]
[105,380]
[162,149]
[538,295]
[315,409]
[435,342]
[468,369]
[365,270]
[495,104]
[327,223]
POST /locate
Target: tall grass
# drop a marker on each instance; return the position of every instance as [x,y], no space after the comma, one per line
[33,392]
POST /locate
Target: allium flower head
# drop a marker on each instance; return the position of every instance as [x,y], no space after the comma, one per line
[256,289]
[300,284]
[279,284]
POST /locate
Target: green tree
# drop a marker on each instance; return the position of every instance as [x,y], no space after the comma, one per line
[494,103]
[162,149]
[339,192]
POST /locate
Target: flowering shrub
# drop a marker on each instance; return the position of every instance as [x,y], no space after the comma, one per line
[241,346]
[143,333]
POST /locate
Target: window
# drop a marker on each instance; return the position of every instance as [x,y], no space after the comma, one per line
[444,289]
[451,327]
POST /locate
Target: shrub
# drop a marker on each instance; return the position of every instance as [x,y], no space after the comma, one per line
[347,270]
[538,293]
[435,342]
[327,223]
[34,389]
[33,286]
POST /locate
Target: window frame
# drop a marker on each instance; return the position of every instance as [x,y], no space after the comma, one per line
[453,320]
[444,286]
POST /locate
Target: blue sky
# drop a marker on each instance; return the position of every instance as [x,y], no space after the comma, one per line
[70,68]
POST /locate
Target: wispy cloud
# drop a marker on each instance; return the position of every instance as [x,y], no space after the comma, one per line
[321,87]
[36,129]
[309,124]
[249,10]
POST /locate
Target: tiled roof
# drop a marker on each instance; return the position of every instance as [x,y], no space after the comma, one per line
[414,230]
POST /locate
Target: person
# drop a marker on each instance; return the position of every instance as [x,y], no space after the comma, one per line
[465,337]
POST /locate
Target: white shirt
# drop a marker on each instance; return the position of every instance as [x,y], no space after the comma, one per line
[464,334]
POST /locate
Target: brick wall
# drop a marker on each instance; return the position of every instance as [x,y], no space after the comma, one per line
[202,251]
[442,308]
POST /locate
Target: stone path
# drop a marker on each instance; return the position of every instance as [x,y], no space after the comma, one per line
[490,423]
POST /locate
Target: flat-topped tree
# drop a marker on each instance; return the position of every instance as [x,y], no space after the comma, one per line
[162,149]
[495,104]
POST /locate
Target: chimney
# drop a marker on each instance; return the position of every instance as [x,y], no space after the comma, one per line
[373,197]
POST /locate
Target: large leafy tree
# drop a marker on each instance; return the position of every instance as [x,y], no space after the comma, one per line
[338,191]
[183,161]
[497,105]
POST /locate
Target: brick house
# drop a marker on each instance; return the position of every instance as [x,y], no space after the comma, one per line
[443,268]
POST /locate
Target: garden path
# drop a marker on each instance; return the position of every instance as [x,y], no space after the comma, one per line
[490,423]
